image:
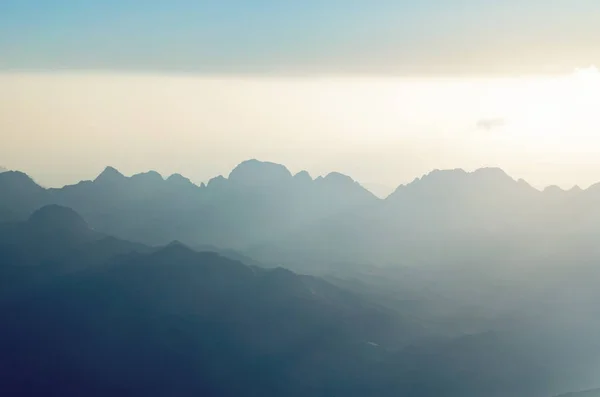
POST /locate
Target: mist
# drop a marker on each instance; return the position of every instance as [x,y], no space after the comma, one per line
[383,131]
[312,198]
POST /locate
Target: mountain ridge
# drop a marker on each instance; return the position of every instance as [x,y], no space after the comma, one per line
[266,213]
[112,172]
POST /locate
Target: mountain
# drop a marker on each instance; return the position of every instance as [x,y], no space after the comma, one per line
[262,211]
[54,240]
[88,314]
[259,174]
[19,195]
[173,321]
[448,210]
[258,201]
[178,322]
[49,234]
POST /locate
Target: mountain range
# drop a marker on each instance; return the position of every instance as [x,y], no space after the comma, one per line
[264,212]
[111,310]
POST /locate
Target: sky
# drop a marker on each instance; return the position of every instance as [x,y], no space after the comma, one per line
[384,91]
[396,37]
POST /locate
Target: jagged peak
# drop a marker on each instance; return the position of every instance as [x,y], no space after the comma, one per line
[553,189]
[179,179]
[491,171]
[16,174]
[109,174]
[149,175]
[255,172]
[448,171]
[488,174]
[495,175]
[303,176]
[337,177]
[217,181]
[18,179]
[459,178]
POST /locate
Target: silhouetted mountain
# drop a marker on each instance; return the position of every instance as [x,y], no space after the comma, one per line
[177,322]
[258,202]
[303,177]
[59,220]
[19,196]
[110,175]
[257,173]
[180,181]
[264,212]
[55,240]
[88,314]
[50,231]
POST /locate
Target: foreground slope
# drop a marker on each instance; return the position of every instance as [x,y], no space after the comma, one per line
[87,314]
[173,321]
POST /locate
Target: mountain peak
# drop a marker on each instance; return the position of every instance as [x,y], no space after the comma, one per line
[576,189]
[488,171]
[254,172]
[553,189]
[150,176]
[338,178]
[109,174]
[180,180]
[486,175]
[59,218]
[217,181]
[303,176]
[460,181]
[18,181]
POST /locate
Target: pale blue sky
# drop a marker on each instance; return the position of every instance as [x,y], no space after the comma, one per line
[301,37]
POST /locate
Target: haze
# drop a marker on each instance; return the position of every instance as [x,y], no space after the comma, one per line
[64,127]
[300,198]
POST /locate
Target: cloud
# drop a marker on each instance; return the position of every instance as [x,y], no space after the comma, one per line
[490,124]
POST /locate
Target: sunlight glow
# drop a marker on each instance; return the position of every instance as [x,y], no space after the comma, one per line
[562,113]
[540,128]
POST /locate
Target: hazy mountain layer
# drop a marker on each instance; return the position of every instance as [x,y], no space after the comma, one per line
[88,314]
[262,210]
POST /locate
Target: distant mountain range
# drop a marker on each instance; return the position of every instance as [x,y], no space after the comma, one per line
[266,213]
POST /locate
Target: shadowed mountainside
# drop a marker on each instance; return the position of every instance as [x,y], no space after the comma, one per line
[93,315]
[88,314]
